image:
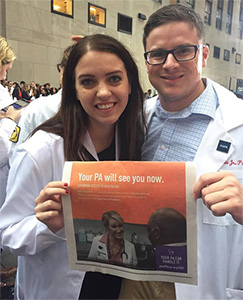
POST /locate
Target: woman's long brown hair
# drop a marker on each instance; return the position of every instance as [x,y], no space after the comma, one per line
[71,121]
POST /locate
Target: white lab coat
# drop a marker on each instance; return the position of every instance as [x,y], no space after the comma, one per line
[7,127]
[37,112]
[5,98]
[99,251]
[220,239]
[43,269]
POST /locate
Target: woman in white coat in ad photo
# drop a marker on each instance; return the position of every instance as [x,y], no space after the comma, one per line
[112,246]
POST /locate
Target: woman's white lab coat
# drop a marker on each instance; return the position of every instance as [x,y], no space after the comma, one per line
[99,251]
[220,239]
[43,269]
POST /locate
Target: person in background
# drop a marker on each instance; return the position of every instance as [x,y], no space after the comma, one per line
[17,94]
[25,91]
[53,90]
[8,119]
[100,118]
[41,109]
[11,88]
[196,119]
[42,91]
[149,93]
[47,87]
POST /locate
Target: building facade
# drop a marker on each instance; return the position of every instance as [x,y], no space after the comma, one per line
[39,31]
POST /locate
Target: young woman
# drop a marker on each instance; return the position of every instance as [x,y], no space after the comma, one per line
[100,118]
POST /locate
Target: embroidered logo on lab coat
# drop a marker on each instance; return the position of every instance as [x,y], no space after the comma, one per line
[223,146]
[15,135]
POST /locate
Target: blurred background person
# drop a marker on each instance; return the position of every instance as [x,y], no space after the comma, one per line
[7,119]
[42,108]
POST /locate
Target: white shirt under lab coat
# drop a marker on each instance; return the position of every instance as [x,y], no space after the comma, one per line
[220,239]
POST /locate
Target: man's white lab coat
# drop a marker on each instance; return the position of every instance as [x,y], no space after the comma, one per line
[220,239]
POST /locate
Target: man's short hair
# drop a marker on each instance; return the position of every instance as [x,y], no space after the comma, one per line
[171,225]
[174,13]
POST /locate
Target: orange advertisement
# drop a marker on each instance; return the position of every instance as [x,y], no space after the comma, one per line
[102,186]
[135,220]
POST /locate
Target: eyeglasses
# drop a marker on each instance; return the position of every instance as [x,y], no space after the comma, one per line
[181,54]
[59,67]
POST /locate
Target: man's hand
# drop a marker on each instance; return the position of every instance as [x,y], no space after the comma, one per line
[222,193]
[76,38]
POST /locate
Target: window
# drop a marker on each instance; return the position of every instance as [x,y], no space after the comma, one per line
[216,52]
[208,12]
[219,14]
[238,58]
[239,87]
[229,16]
[191,3]
[62,7]
[226,55]
[124,24]
[97,15]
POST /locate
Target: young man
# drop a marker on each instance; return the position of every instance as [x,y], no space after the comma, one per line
[195,119]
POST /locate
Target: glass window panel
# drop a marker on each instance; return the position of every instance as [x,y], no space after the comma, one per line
[207,14]
[226,55]
[62,7]
[97,15]
[216,52]
[124,24]
[238,58]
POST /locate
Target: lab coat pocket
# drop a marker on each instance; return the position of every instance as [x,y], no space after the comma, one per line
[227,220]
[34,267]
[232,294]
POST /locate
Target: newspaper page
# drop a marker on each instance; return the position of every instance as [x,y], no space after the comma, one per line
[136,220]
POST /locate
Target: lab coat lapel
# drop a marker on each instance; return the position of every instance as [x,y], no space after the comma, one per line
[208,158]
[88,144]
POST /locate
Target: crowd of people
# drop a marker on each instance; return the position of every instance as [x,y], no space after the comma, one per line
[100,114]
[28,91]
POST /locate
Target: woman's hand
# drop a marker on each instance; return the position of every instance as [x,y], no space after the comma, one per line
[49,205]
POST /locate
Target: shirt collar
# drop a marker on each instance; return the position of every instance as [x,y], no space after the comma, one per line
[205,104]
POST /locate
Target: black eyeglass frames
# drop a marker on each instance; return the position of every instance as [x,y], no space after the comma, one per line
[181,54]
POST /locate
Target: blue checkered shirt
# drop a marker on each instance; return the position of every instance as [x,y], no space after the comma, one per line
[176,136]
